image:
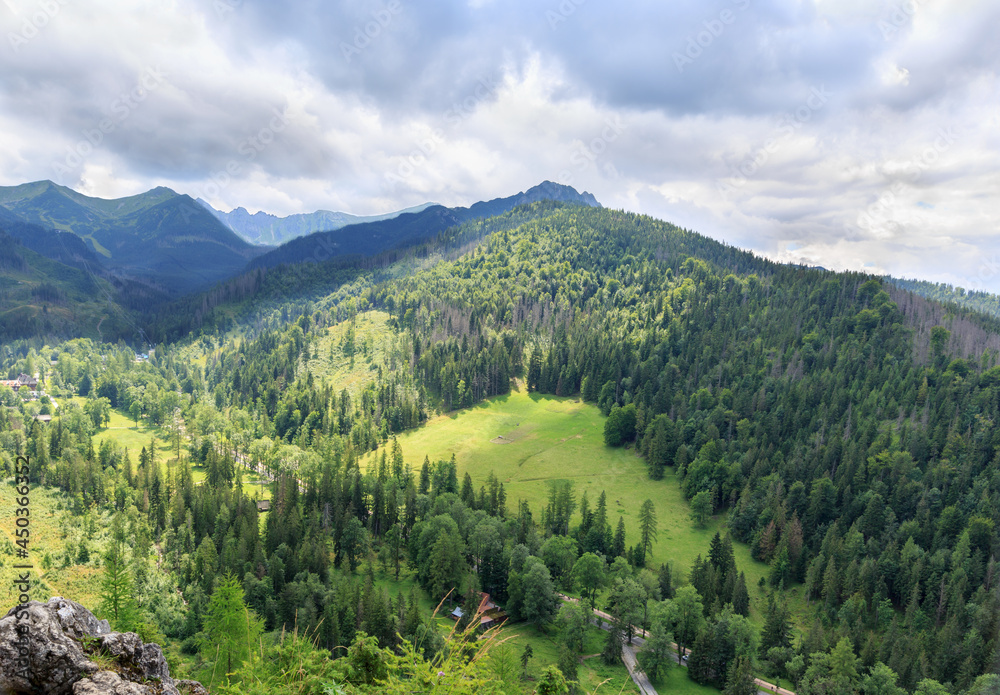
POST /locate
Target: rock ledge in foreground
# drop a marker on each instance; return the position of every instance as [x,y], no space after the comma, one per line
[67,647]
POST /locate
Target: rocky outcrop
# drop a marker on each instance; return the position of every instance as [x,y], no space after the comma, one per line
[71,652]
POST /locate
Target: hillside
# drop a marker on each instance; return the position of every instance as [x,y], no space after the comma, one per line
[742,397]
[982,302]
[264,229]
[40,296]
[158,236]
[834,430]
[59,246]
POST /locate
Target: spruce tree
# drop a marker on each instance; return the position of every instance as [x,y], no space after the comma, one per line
[741,597]
[618,544]
[118,602]
[666,582]
[647,527]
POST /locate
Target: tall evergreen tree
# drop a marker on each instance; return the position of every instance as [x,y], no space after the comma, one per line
[647,527]
[618,544]
[118,602]
[230,629]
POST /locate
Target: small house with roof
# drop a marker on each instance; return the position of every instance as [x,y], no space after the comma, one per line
[490,614]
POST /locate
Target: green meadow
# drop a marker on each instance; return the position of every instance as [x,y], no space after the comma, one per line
[54,546]
[529,441]
[347,354]
[122,429]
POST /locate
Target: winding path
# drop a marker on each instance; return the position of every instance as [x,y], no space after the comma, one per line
[640,679]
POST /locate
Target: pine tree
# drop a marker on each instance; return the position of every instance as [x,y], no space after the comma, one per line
[618,544]
[741,597]
[647,527]
[468,494]
[666,582]
[117,590]
[535,368]
[425,476]
[740,678]
[397,460]
[525,658]
[777,628]
[612,651]
[230,629]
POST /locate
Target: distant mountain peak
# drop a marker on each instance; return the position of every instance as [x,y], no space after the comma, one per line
[264,228]
[550,190]
[157,235]
[366,238]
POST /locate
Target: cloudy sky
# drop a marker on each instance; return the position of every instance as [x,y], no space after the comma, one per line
[854,134]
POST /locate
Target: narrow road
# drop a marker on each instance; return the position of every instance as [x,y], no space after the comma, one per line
[631,663]
[640,679]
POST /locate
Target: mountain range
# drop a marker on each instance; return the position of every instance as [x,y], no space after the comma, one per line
[409,227]
[69,260]
[158,236]
[68,254]
[264,229]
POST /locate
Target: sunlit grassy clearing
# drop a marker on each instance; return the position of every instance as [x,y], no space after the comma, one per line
[331,364]
[52,532]
[546,438]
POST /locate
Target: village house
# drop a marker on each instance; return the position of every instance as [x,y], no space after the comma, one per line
[490,614]
[23,380]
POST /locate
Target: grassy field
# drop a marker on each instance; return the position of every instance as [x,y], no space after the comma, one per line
[333,363]
[122,429]
[529,441]
[55,534]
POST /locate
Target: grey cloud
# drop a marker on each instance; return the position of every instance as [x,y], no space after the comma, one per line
[558,69]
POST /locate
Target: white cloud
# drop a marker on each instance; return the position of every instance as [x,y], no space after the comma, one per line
[472,99]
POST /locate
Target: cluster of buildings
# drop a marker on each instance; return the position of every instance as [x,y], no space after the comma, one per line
[23,381]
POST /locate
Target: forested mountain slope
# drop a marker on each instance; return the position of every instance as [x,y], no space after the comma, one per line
[983,302]
[370,238]
[795,399]
[158,235]
[844,430]
[41,296]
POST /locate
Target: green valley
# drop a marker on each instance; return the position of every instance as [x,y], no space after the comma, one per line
[777,468]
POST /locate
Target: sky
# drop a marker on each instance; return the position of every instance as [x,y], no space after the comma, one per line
[849,134]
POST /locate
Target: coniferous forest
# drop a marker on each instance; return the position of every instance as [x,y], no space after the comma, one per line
[841,428]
